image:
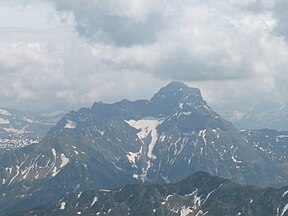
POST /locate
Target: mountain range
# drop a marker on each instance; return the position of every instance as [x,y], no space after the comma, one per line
[200,194]
[162,140]
[266,114]
[18,129]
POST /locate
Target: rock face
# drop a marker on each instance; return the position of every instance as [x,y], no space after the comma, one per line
[161,140]
[199,194]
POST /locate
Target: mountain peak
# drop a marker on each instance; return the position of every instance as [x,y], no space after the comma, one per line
[179,91]
[176,85]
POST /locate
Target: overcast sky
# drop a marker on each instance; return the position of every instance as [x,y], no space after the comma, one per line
[65,54]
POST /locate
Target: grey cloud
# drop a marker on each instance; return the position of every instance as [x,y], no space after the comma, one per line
[280,12]
[191,67]
[258,6]
[112,22]
[27,75]
[176,25]
[119,30]
[65,75]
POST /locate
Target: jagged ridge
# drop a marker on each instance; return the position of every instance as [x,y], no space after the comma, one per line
[200,194]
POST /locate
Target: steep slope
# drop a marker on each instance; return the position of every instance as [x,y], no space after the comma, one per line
[200,194]
[271,145]
[167,138]
[164,139]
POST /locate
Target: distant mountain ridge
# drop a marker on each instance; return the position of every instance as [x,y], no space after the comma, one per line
[200,194]
[161,140]
[267,114]
[18,129]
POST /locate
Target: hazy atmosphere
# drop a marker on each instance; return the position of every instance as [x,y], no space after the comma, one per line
[143,107]
[61,55]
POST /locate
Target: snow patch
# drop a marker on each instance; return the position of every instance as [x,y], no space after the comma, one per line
[12,143]
[209,194]
[94,201]
[186,211]
[147,129]
[152,144]
[202,133]
[17,173]
[234,157]
[285,209]
[55,171]
[14,130]
[143,175]
[133,157]
[28,120]
[5,112]
[162,137]
[235,160]
[104,190]
[118,168]
[186,113]
[168,197]
[282,136]
[70,124]
[62,207]
[79,195]
[54,152]
[8,169]
[64,160]
[4,121]
[145,125]
[238,115]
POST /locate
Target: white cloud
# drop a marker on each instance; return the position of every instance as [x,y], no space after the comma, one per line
[194,40]
[107,50]
[280,12]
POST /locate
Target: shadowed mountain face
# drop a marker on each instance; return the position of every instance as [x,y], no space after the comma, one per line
[161,140]
[199,194]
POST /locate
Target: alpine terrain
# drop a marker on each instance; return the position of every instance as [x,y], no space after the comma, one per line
[161,140]
[199,194]
[18,129]
[266,114]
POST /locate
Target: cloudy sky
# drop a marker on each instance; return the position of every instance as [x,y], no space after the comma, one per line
[64,54]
